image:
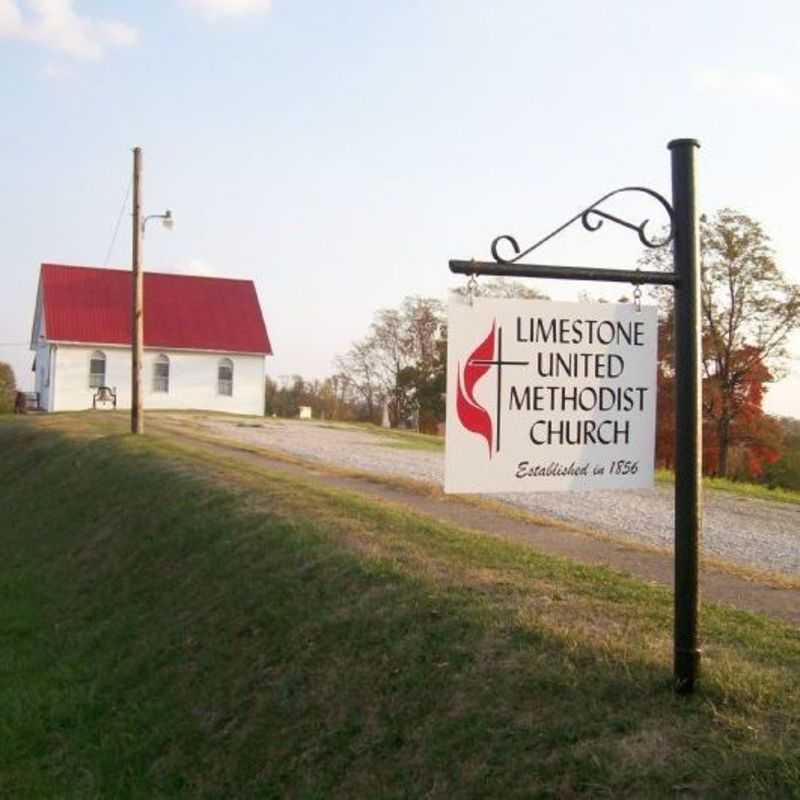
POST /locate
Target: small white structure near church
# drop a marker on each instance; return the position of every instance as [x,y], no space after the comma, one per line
[205,341]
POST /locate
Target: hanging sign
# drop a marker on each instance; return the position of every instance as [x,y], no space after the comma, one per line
[549,395]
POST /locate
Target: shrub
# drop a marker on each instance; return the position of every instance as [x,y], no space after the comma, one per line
[8,388]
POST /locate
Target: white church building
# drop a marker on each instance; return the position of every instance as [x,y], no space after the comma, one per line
[205,341]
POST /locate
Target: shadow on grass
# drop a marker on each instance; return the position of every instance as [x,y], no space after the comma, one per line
[165,636]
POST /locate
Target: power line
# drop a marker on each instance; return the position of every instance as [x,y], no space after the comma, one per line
[119,220]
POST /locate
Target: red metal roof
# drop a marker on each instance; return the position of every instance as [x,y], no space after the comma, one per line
[93,305]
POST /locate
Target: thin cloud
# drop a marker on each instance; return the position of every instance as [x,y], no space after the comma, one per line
[213,9]
[196,266]
[56,25]
[752,84]
[10,19]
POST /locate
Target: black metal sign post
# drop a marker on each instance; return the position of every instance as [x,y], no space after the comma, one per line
[685,278]
[688,419]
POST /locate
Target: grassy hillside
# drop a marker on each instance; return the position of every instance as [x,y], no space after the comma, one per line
[174,625]
[757,491]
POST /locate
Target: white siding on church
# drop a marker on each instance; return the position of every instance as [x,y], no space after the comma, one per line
[193,380]
[43,381]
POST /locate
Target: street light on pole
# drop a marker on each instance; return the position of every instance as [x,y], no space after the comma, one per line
[137,348]
[167,220]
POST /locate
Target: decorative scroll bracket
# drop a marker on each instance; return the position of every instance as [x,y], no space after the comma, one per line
[592,219]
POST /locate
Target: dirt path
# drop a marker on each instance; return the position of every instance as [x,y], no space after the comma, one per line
[720,586]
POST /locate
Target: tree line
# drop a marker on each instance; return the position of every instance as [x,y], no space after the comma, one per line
[396,374]
[397,369]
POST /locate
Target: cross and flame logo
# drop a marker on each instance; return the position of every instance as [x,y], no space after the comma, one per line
[472,415]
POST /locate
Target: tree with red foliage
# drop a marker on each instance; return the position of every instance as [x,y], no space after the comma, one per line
[754,439]
[752,435]
[665,396]
[749,309]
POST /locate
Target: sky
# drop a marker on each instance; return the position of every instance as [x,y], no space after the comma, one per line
[339,154]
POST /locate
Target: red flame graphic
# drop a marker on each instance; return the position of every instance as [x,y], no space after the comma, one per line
[472,414]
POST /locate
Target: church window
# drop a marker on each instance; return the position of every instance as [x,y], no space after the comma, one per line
[97,370]
[161,374]
[225,377]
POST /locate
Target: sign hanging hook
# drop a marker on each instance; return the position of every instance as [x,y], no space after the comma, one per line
[637,295]
[472,287]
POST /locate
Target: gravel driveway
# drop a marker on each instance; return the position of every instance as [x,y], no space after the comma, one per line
[751,532]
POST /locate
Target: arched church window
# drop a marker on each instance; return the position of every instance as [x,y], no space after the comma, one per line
[225,377]
[97,369]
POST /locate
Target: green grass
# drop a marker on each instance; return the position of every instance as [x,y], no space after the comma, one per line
[408,440]
[757,491]
[175,624]
[391,437]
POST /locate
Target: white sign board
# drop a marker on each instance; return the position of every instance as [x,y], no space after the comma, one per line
[549,396]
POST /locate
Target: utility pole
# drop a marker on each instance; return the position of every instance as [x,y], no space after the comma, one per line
[137,345]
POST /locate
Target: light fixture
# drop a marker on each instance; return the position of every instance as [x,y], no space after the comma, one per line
[167,220]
